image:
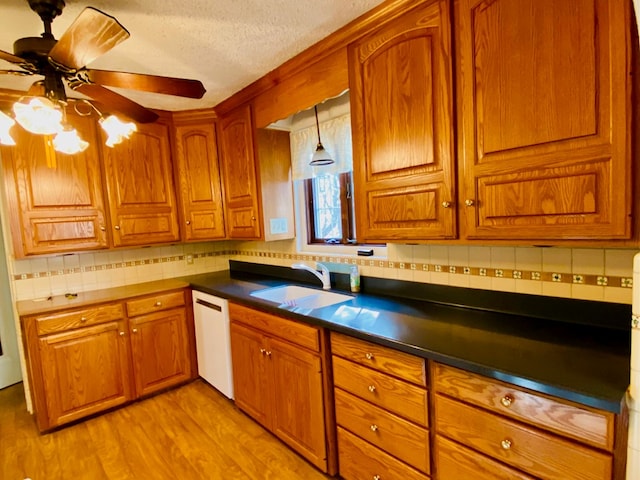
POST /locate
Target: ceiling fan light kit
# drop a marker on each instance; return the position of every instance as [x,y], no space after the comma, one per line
[92,34]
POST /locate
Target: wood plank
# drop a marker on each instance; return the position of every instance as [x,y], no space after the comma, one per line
[192,432]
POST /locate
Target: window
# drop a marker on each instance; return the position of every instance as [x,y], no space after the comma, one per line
[329,208]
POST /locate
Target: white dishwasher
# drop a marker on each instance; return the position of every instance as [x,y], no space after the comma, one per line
[213,341]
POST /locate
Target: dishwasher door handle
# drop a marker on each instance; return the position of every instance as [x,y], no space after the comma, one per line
[209,305]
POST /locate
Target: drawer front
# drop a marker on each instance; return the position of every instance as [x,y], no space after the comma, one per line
[383,359]
[68,320]
[587,425]
[155,303]
[390,393]
[456,462]
[537,453]
[294,332]
[359,460]
[395,435]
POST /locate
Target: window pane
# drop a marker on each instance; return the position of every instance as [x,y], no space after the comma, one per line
[326,199]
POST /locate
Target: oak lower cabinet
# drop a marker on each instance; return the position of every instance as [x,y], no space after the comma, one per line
[279,377]
[487,429]
[159,341]
[381,411]
[80,360]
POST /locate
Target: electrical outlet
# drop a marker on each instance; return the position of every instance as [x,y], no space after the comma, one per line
[189,259]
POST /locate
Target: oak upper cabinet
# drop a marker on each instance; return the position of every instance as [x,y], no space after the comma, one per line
[544,115]
[139,179]
[401,108]
[55,201]
[240,174]
[198,177]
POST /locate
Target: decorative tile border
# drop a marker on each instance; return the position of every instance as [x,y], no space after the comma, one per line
[556,277]
[116,265]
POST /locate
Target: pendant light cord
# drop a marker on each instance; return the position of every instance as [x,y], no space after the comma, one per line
[315,107]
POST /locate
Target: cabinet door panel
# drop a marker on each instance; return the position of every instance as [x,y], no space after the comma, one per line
[55,201]
[85,371]
[239,174]
[160,350]
[140,185]
[250,385]
[199,181]
[544,144]
[401,96]
[298,401]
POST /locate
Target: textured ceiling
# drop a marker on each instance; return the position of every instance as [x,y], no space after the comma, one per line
[226,44]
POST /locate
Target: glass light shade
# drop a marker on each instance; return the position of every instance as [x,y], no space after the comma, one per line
[320,157]
[39,115]
[68,141]
[116,129]
[6,122]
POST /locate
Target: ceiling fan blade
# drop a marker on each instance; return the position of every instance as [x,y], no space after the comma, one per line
[9,57]
[114,101]
[19,73]
[180,87]
[92,34]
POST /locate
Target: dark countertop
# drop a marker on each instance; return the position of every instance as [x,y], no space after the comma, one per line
[584,363]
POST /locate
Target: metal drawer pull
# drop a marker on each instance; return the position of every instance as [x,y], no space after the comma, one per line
[372,388]
[83,319]
[158,304]
[374,428]
[369,356]
[506,401]
[506,444]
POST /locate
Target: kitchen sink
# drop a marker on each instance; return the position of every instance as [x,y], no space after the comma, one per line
[301,297]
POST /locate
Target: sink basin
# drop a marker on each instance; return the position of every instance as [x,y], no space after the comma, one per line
[301,297]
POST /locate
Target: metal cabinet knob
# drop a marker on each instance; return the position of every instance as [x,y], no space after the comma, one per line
[188,222]
[369,356]
[83,319]
[135,330]
[377,477]
[374,428]
[268,353]
[122,334]
[158,304]
[372,388]
[446,204]
[506,401]
[506,444]
[263,351]
[103,228]
[117,227]
[469,203]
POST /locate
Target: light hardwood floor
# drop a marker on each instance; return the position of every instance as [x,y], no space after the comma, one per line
[190,433]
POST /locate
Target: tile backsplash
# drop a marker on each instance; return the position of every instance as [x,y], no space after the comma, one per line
[592,274]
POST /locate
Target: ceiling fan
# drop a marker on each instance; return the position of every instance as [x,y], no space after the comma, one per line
[63,61]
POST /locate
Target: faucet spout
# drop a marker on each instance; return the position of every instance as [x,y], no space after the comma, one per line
[323,275]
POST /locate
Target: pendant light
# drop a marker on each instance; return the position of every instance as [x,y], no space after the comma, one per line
[320,156]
